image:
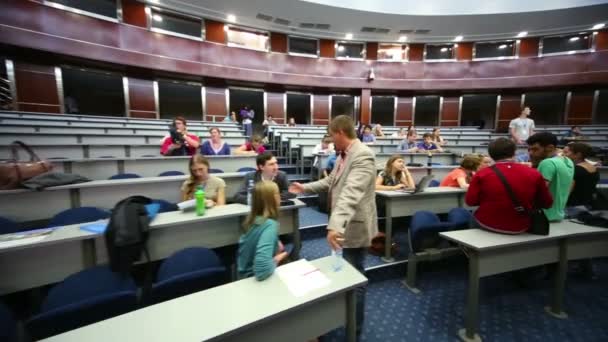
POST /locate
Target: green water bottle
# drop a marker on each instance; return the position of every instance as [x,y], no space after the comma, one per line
[199,196]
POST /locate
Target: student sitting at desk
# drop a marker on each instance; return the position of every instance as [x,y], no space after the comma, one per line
[268,169]
[409,144]
[428,144]
[486,161]
[378,131]
[214,187]
[461,176]
[496,211]
[402,133]
[368,137]
[586,175]
[331,163]
[395,175]
[259,248]
[253,147]
[179,142]
[437,138]
[326,146]
[215,146]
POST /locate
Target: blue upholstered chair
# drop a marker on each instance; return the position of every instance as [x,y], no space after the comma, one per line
[216,171]
[8,326]
[170,173]
[187,271]
[246,169]
[125,176]
[8,226]
[434,183]
[83,298]
[78,215]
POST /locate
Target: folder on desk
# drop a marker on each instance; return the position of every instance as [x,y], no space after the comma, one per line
[301,277]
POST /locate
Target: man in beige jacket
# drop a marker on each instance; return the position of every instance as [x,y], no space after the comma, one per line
[353,221]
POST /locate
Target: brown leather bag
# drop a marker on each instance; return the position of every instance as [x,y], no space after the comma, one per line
[14,171]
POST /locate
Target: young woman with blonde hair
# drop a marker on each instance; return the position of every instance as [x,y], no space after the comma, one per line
[214,187]
[259,248]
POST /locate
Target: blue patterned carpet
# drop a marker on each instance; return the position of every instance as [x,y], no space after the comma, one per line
[508,311]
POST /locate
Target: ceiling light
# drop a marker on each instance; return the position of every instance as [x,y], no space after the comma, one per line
[598,26]
[444,49]
[571,52]
[503,46]
[403,39]
[341,48]
[458,38]
[231,18]
[573,39]
[158,18]
[522,34]
[348,36]
[226,28]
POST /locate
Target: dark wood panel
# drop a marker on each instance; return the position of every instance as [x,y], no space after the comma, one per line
[142,115]
[141,95]
[510,108]
[601,40]
[449,123]
[464,51]
[275,105]
[214,31]
[416,52]
[36,85]
[134,13]
[449,112]
[528,47]
[215,101]
[327,48]
[321,113]
[366,114]
[581,108]
[278,42]
[371,51]
[404,111]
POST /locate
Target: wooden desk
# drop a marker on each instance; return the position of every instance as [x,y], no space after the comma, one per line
[246,310]
[491,253]
[69,249]
[400,204]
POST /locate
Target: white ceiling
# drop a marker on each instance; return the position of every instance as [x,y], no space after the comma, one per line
[485,20]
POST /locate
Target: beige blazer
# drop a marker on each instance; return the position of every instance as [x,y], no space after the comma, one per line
[353,197]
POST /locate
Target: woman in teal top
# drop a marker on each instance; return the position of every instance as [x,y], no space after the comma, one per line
[259,248]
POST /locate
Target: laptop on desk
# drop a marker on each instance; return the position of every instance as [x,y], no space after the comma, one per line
[421,186]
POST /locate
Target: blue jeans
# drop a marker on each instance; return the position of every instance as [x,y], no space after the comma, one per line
[355,257]
[248,129]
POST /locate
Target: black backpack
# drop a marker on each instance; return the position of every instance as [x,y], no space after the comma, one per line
[127,233]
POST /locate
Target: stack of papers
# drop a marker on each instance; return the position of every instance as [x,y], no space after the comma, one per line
[24,238]
[301,277]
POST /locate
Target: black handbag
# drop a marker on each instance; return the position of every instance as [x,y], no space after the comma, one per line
[539,224]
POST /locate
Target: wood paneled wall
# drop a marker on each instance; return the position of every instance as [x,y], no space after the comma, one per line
[321,114]
[142,101]
[464,51]
[449,111]
[275,106]
[416,52]
[405,111]
[371,51]
[214,31]
[36,86]
[215,101]
[134,13]
[327,48]
[528,47]
[580,110]
[601,40]
[510,108]
[278,42]
[366,98]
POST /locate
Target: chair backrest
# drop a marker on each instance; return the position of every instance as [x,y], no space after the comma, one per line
[8,325]
[170,173]
[187,271]
[83,298]
[460,218]
[424,229]
[125,176]
[434,183]
[216,171]
[78,215]
[246,169]
[8,226]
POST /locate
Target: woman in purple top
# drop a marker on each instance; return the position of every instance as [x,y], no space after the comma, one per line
[215,146]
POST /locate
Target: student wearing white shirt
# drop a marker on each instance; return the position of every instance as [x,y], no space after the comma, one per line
[325,147]
[522,128]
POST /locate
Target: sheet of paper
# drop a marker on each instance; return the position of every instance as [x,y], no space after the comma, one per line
[21,242]
[301,277]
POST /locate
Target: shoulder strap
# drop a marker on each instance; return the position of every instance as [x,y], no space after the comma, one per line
[516,203]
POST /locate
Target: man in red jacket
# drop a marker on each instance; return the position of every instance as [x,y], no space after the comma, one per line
[496,211]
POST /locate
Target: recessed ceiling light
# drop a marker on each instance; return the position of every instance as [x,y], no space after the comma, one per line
[444,49]
[503,46]
[348,36]
[598,26]
[571,52]
[341,48]
[231,18]
[403,39]
[226,28]
[458,38]
[573,39]
[158,18]
[522,34]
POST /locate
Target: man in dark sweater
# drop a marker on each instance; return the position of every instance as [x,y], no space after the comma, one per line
[268,169]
